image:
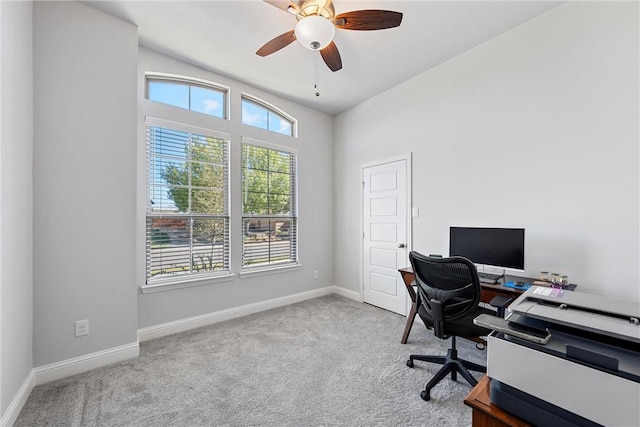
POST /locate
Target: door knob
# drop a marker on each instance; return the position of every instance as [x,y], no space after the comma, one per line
[402,245]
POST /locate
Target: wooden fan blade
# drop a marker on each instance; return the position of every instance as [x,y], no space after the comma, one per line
[277,43]
[331,57]
[365,20]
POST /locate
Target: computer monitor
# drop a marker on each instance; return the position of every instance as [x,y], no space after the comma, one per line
[492,247]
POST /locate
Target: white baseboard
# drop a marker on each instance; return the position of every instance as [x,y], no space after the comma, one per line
[169,328]
[78,365]
[356,296]
[11,414]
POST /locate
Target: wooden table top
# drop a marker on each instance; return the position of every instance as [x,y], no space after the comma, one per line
[478,398]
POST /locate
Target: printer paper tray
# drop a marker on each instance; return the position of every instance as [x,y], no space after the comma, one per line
[577,388]
[501,325]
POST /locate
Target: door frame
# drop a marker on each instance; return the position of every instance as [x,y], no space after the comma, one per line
[407,157]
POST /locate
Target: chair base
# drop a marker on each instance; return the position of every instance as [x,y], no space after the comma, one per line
[451,365]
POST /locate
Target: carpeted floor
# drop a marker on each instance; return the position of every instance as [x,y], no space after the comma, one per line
[329,361]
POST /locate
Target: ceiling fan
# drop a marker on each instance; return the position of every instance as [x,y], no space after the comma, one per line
[317,23]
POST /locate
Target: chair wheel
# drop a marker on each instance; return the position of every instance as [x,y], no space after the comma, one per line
[425,395]
[410,363]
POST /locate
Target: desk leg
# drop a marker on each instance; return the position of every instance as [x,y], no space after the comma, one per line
[410,318]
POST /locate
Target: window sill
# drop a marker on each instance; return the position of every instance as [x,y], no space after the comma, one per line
[188,283]
[269,270]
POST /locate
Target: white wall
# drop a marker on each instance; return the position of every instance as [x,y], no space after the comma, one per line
[315,200]
[89,187]
[551,107]
[69,205]
[537,128]
[85,65]
[16,199]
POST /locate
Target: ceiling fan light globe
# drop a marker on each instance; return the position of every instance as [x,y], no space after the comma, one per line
[315,32]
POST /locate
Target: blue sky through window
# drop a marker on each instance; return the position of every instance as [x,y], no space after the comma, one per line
[208,101]
[182,95]
[169,93]
[256,115]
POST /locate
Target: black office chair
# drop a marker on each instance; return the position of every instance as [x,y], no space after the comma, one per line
[448,295]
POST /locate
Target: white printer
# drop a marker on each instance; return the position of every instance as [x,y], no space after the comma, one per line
[566,358]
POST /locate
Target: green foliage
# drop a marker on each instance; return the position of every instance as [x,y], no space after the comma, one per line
[196,185]
[202,178]
[203,172]
[266,181]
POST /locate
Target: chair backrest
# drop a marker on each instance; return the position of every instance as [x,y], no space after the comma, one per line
[448,288]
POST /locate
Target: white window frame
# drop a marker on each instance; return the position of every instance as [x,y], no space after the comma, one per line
[190,81]
[192,279]
[272,108]
[275,267]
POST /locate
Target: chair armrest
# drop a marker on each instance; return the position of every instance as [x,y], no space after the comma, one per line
[500,302]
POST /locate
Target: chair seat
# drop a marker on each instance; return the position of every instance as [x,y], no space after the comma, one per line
[463,327]
[448,288]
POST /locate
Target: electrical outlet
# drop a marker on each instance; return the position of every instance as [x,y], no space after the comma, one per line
[315,274]
[82,327]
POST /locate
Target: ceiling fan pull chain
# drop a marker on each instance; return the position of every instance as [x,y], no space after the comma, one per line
[315,66]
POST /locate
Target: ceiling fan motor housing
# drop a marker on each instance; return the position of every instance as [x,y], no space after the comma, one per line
[313,7]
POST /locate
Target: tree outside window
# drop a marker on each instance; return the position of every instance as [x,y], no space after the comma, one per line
[187,223]
[268,206]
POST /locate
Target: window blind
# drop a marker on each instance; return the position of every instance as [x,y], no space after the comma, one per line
[187,215]
[269,207]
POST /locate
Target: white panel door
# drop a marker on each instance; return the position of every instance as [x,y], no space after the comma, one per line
[385,234]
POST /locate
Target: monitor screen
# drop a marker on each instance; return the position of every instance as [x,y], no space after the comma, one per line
[497,247]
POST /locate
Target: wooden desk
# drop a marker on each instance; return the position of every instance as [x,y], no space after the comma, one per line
[485,413]
[489,291]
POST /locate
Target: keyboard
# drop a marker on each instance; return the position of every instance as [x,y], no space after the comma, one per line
[488,277]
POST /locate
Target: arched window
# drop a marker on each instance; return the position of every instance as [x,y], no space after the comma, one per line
[260,114]
[191,94]
[188,163]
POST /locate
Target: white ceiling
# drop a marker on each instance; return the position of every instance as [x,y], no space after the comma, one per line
[222,36]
